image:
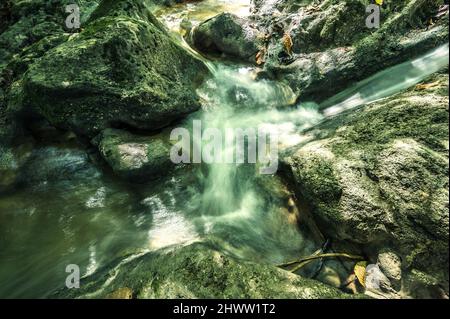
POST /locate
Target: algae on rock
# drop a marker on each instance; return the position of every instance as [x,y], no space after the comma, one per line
[378,177]
[199,271]
[121,69]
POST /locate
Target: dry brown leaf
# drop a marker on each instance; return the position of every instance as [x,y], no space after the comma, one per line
[351,284]
[360,272]
[425,86]
[261,56]
[287,42]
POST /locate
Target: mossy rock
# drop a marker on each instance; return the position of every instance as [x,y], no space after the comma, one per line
[197,271]
[333,48]
[378,177]
[133,157]
[227,34]
[121,69]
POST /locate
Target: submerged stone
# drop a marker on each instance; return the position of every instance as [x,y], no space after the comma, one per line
[12,160]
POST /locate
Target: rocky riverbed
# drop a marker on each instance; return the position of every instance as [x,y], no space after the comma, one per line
[86,177]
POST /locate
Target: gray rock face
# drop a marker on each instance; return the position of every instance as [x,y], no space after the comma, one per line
[135,158]
[333,48]
[227,34]
[319,48]
[317,27]
[197,271]
[378,177]
[122,68]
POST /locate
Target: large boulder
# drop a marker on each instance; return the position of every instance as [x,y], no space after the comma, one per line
[123,68]
[378,177]
[197,271]
[226,34]
[136,158]
[28,30]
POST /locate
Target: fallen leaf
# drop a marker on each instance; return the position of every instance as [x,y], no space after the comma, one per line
[360,272]
[351,284]
[261,56]
[425,86]
[287,42]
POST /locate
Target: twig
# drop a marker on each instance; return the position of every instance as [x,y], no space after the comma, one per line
[303,261]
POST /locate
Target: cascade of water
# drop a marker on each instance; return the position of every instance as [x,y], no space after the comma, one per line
[233,99]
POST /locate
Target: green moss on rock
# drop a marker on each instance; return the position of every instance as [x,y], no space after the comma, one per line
[118,70]
[136,158]
[197,271]
[390,162]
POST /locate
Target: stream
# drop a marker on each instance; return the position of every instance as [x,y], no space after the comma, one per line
[73,212]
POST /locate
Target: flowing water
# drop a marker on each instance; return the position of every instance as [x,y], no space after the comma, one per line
[72,212]
[388,82]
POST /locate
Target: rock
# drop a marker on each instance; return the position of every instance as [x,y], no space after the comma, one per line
[12,159]
[318,76]
[330,276]
[32,29]
[197,271]
[33,21]
[33,24]
[226,34]
[331,24]
[428,285]
[55,164]
[378,177]
[169,3]
[121,293]
[136,158]
[329,55]
[391,265]
[122,69]
[378,283]
[124,8]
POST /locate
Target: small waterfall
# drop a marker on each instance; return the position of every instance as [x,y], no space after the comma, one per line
[234,207]
[231,198]
[233,101]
